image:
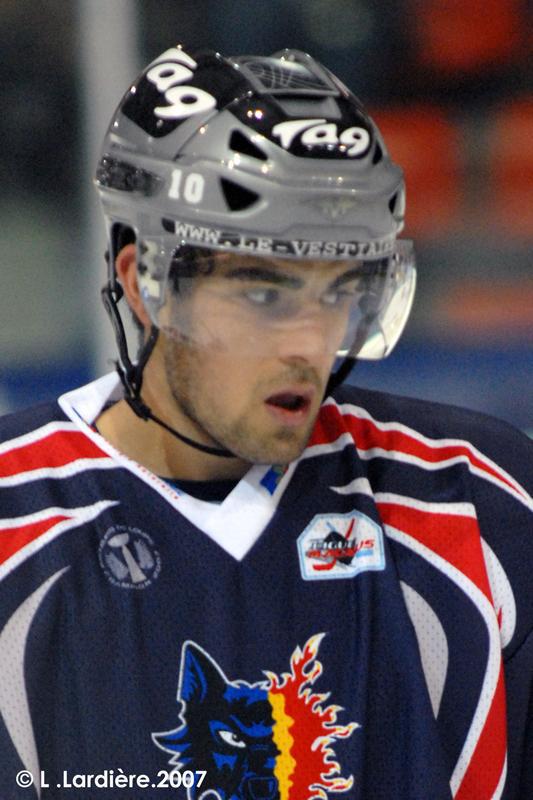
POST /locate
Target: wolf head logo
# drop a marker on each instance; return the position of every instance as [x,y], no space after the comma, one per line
[232,722]
[246,737]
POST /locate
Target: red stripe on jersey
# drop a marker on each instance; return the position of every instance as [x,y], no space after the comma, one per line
[454,538]
[457,540]
[14,539]
[55,450]
[329,425]
[488,761]
[368,435]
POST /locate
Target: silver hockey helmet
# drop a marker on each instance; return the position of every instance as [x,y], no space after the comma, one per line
[268,158]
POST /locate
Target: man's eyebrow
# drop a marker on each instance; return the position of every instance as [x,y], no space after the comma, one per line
[264,274]
[347,276]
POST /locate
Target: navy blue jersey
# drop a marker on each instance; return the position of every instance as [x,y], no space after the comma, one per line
[356,625]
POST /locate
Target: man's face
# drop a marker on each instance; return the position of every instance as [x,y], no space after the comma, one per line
[249,348]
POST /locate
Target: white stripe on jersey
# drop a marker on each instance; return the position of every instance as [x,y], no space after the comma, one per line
[64,471]
[38,434]
[455,509]
[75,518]
[347,409]
[14,704]
[357,486]
[492,674]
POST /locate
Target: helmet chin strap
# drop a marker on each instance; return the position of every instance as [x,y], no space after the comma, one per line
[338,377]
[131,375]
[144,412]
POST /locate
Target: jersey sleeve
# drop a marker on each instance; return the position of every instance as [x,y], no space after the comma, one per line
[519,690]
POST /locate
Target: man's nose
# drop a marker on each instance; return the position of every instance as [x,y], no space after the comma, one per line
[308,339]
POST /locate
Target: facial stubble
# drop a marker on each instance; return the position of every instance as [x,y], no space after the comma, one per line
[197,401]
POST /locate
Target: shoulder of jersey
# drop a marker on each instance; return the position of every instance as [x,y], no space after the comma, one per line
[41,443]
[21,422]
[497,439]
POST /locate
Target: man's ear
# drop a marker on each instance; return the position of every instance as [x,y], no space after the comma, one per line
[126,269]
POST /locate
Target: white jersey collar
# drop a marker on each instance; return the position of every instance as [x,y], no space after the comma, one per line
[236,524]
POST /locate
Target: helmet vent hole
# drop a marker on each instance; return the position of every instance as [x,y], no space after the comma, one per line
[392,203]
[241,144]
[378,154]
[237,197]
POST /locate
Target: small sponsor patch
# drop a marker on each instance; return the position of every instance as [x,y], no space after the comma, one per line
[272,477]
[129,558]
[340,546]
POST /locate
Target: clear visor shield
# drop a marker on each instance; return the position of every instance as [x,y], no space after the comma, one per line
[256,307]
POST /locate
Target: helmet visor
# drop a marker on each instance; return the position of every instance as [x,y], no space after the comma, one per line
[259,306]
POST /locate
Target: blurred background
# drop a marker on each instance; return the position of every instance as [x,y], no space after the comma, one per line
[448,82]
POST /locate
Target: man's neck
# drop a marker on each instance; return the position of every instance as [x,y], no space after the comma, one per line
[159,451]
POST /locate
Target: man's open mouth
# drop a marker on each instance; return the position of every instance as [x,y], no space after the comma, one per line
[289,401]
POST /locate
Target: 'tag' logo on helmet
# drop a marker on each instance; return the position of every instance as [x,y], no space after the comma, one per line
[354,141]
[175,67]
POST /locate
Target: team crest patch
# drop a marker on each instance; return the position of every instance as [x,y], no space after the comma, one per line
[271,740]
[340,546]
[129,558]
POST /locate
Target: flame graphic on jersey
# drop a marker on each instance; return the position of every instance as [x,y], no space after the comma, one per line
[305,730]
[273,739]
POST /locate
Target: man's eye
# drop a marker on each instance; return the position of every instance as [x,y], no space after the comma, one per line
[262,297]
[231,738]
[337,296]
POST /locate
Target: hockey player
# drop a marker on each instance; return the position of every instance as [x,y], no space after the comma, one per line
[222,573]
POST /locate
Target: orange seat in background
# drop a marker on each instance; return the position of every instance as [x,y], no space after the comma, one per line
[509,191]
[428,146]
[462,36]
